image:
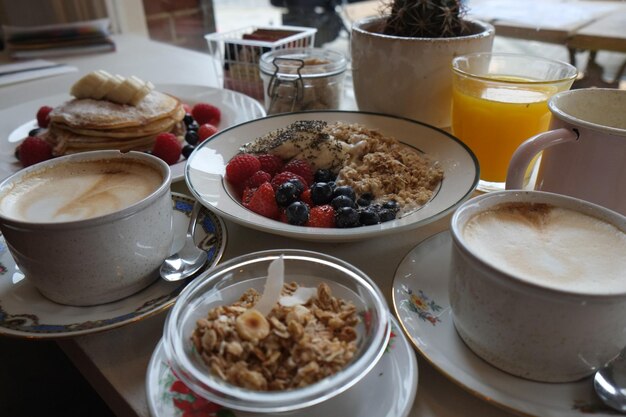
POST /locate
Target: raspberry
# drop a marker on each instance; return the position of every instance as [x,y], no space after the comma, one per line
[321,216]
[242,167]
[246,195]
[271,164]
[257,179]
[302,168]
[305,197]
[167,147]
[205,131]
[263,202]
[43,116]
[285,176]
[34,150]
[206,113]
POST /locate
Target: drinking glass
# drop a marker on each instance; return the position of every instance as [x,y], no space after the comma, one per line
[498,101]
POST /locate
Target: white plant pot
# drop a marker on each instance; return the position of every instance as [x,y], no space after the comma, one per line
[409,77]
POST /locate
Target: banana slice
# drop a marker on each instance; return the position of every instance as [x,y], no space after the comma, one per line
[104,87]
[85,87]
[100,85]
[145,89]
[121,92]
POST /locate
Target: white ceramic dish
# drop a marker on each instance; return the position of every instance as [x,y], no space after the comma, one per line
[24,312]
[393,379]
[420,300]
[205,170]
[17,121]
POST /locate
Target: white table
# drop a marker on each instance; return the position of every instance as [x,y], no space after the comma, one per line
[115,361]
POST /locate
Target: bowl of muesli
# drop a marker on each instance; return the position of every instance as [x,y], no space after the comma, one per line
[332,175]
[276,331]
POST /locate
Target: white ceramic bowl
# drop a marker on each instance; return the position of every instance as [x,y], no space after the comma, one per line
[225,284]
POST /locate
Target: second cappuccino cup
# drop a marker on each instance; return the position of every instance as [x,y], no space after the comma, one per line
[89,228]
[538,283]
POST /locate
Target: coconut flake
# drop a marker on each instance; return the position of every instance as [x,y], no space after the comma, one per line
[299,297]
[273,286]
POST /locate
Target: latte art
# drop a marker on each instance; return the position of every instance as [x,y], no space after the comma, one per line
[550,246]
[79,190]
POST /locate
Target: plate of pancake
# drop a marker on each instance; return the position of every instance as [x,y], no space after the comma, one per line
[79,125]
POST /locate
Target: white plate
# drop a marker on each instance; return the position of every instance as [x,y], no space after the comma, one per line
[387,391]
[420,300]
[205,170]
[17,121]
[24,312]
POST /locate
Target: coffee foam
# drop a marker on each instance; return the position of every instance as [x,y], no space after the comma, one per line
[79,190]
[550,246]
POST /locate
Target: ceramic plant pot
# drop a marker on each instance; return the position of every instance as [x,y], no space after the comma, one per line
[409,77]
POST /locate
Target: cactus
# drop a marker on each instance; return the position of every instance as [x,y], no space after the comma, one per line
[425,18]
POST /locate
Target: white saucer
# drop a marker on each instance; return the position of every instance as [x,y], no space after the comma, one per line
[235,108]
[387,391]
[24,312]
[420,300]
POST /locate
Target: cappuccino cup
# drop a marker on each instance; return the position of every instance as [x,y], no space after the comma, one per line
[538,283]
[89,228]
[584,151]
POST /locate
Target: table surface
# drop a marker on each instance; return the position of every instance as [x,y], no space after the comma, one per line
[115,361]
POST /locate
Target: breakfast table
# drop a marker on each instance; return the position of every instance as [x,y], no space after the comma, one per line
[115,361]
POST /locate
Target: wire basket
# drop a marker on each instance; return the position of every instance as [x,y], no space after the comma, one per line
[236,54]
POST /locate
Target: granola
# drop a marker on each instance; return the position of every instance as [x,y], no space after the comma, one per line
[291,347]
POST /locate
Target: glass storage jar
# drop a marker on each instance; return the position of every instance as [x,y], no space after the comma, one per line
[300,79]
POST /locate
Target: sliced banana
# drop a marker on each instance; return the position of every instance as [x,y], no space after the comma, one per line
[99,85]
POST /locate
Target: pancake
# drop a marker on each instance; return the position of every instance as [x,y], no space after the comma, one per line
[105,115]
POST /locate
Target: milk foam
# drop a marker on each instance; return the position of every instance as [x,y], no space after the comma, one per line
[79,190]
[550,246]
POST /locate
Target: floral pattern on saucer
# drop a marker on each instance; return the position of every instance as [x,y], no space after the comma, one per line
[425,308]
[24,312]
[170,397]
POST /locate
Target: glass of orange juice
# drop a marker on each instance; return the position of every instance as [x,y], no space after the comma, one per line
[498,101]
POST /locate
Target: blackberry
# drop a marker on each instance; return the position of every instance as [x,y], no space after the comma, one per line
[346,217]
[287,193]
[191,137]
[342,201]
[297,213]
[323,175]
[321,193]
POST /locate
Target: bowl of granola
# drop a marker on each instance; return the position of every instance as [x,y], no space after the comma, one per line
[276,331]
[332,175]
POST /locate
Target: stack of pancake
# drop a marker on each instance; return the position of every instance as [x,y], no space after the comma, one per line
[87,124]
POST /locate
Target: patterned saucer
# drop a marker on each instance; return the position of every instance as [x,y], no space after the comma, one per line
[393,380]
[24,312]
[420,300]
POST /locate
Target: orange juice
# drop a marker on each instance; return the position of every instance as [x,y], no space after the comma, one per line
[493,120]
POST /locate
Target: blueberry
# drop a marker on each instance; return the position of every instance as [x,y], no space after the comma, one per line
[187,150]
[345,190]
[286,193]
[193,126]
[365,199]
[391,205]
[324,175]
[368,217]
[298,185]
[35,131]
[188,119]
[346,217]
[297,213]
[321,193]
[342,201]
[386,215]
[191,137]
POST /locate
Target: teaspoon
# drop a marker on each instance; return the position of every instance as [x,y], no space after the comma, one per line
[190,258]
[610,383]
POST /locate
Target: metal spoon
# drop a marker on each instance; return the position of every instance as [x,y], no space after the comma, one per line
[190,258]
[610,383]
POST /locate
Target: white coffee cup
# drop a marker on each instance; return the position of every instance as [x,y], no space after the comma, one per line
[515,302]
[584,152]
[89,228]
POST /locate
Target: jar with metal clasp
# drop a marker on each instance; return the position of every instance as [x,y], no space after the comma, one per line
[300,79]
